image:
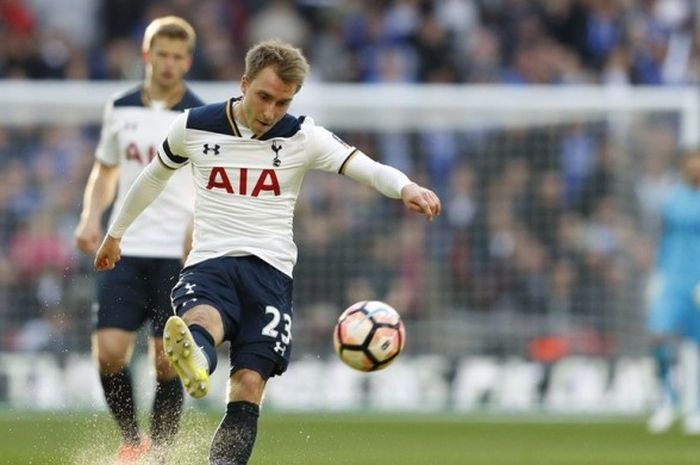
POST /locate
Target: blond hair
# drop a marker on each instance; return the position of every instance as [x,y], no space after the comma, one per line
[172,27]
[288,61]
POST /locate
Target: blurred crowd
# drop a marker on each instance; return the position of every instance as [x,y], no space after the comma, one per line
[540,225]
[449,41]
[547,231]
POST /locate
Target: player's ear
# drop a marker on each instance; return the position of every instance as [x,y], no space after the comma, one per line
[145,57]
[244,84]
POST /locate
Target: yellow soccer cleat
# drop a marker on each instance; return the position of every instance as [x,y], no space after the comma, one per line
[186,357]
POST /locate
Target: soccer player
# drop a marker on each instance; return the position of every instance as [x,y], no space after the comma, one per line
[134,124]
[249,158]
[674,314]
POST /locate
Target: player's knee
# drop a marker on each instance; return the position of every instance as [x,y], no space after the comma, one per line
[111,360]
[112,349]
[247,385]
[206,317]
[198,315]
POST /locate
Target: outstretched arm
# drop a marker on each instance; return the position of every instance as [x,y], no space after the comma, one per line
[99,193]
[145,189]
[392,183]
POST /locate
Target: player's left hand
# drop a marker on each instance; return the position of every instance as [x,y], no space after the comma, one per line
[421,200]
[108,254]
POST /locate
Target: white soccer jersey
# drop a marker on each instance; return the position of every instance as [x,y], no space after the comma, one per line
[247,188]
[131,133]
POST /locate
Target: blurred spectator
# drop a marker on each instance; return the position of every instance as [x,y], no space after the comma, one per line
[281,19]
[546,208]
[37,251]
[578,158]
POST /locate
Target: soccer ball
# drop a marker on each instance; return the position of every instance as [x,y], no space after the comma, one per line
[369,335]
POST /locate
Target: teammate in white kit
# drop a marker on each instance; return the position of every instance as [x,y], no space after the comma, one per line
[134,125]
[248,158]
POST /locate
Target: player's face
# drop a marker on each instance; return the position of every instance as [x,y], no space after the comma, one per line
[692,170]
[266,99]
[168,61]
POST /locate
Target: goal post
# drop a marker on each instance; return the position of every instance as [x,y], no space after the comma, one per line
[383,107]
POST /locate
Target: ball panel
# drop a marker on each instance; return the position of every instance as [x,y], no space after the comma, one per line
[385,343]
[336,339]
[385,363]
[382,312]
[357,307]
[402,336]
[357,359]
[355,328]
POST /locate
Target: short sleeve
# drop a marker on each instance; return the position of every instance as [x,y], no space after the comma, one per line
[172,151]
[107,151]
[326,150]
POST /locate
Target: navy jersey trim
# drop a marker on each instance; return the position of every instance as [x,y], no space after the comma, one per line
[345,162]
[219,118]
[231,117]
[286,127]
[135,98]
[130,99]
[169,153]
[189,100]
[211,118]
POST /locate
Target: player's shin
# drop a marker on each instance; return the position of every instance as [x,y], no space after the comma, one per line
[235,437]
[665,359]
[167,407]
[119,396]
[664,414]
[205,341]
[690,371]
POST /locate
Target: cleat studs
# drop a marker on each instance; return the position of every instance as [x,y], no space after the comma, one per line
[185,344]
[167,337]
[185,353]
[182,332]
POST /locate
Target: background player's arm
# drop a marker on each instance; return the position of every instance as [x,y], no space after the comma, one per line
[187,241]
[142,193]
[99,193]
[392,183]
[149,184]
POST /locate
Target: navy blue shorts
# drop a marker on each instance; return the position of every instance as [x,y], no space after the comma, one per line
[136,290]
[255,302]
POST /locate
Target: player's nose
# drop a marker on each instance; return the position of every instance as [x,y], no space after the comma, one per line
[269,113]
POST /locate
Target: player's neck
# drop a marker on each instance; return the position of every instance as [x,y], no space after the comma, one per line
[238,114]
[241,121]
[169,96]
[243,127]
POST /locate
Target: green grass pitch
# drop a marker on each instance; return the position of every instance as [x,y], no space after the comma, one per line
[361,439]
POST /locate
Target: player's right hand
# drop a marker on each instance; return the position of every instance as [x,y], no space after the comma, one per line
[421,200]
[87,236]
[108,254]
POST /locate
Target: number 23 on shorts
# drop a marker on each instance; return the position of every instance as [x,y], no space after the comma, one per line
[282,336]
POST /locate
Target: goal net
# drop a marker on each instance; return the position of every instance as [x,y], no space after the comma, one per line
[550,209]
